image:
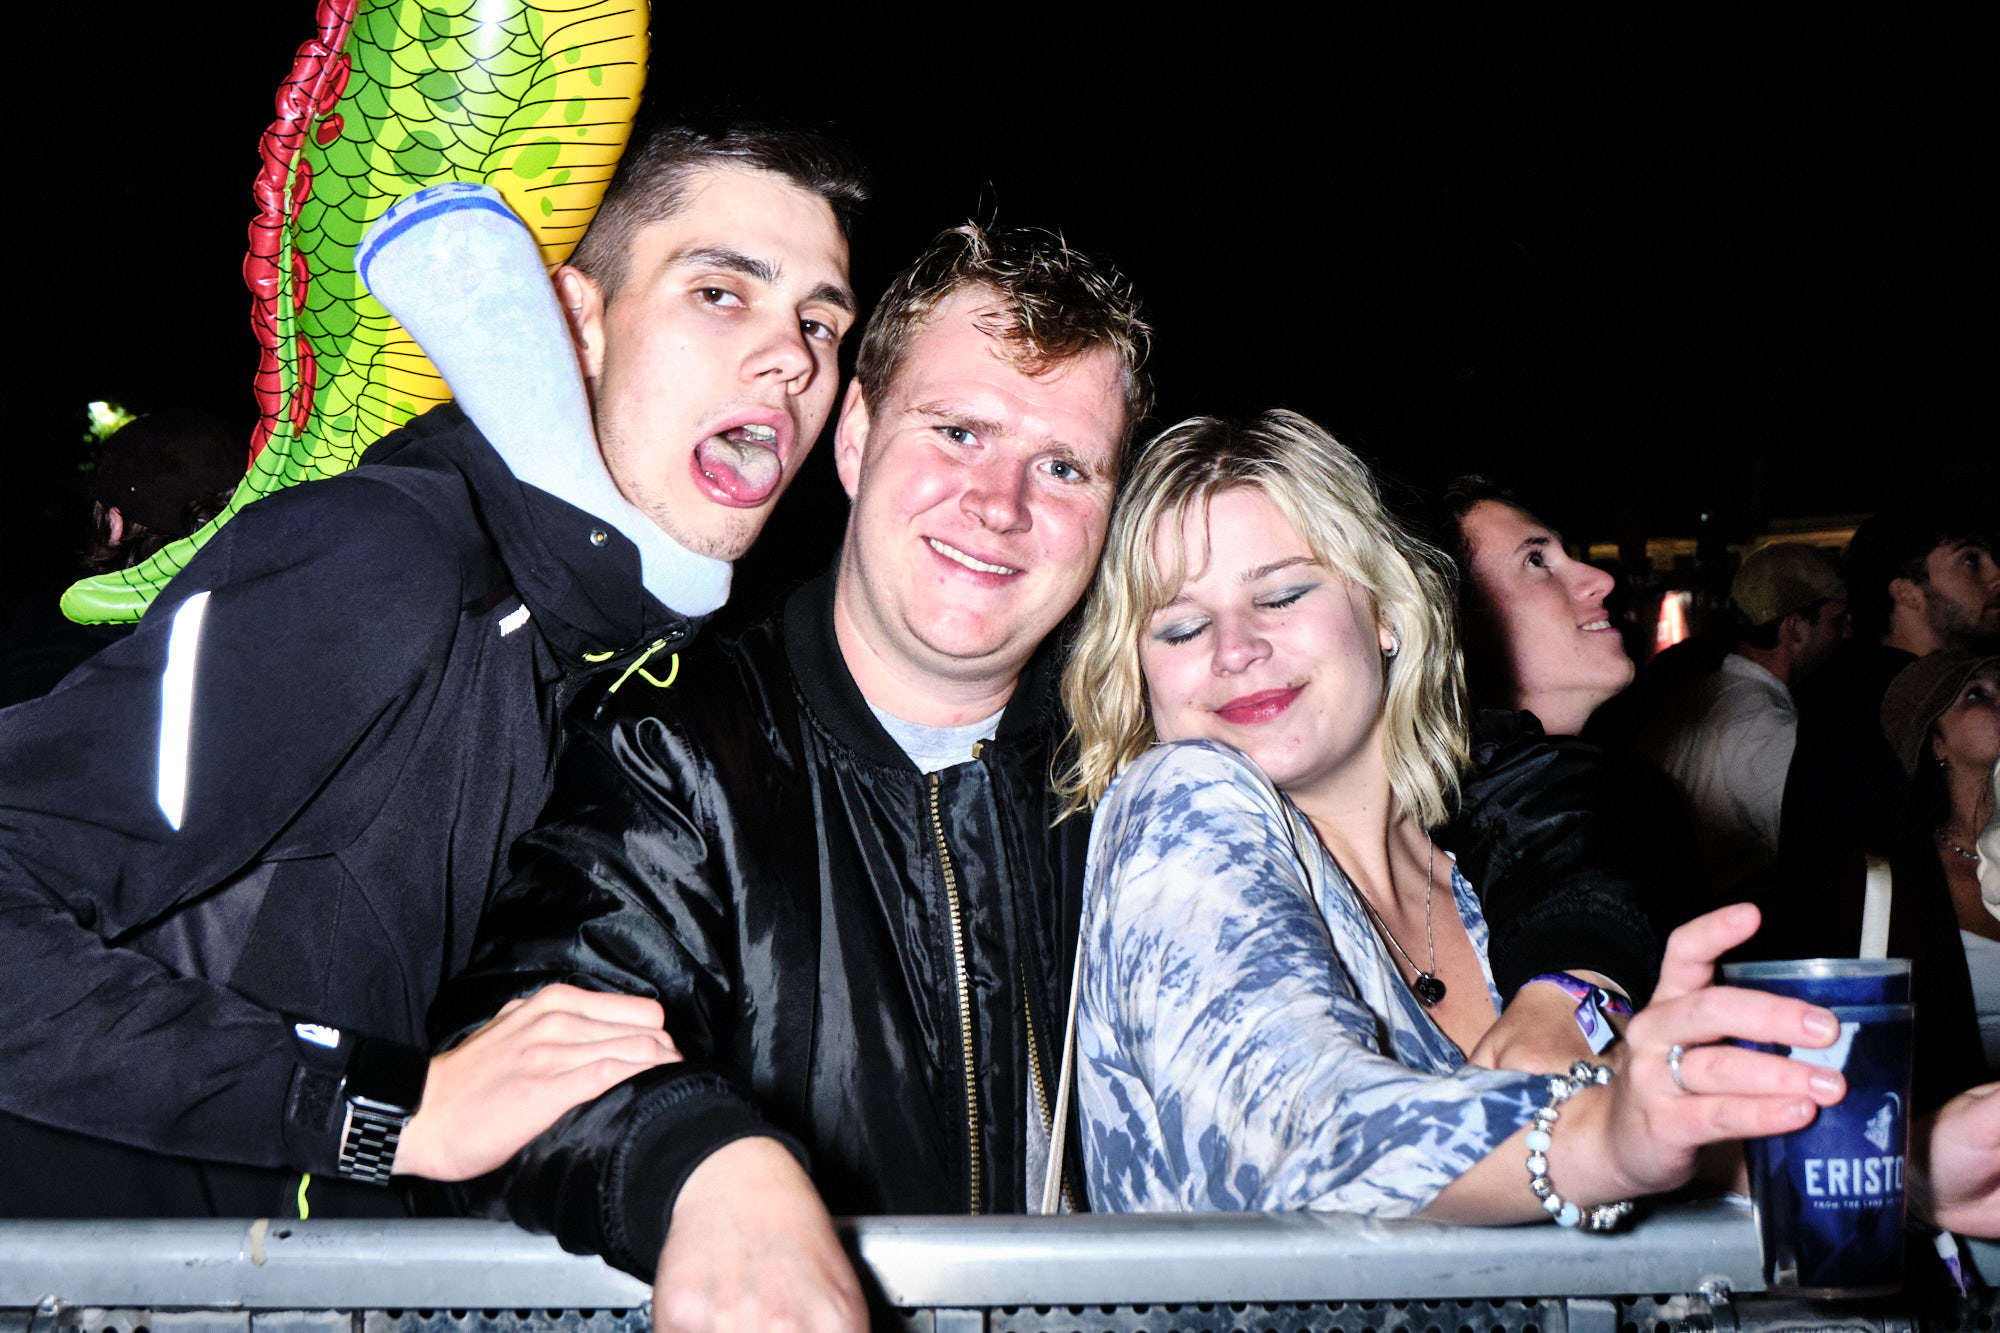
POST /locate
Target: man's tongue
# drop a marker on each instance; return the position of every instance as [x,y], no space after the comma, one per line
[747,470]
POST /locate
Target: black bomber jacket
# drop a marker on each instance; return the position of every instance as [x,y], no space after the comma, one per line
[370,725]
[853,956]
[1581,860]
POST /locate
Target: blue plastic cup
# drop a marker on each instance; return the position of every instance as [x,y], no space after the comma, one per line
[1829,1198]
[1827,981]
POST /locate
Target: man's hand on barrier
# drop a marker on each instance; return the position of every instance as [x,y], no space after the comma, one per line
[750,1246]
[510,1080]
[1955,1184]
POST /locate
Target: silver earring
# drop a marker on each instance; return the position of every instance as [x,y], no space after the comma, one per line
[1395,645]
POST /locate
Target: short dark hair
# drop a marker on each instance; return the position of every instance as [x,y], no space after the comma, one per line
[1473,488]
[1893,545]
[1054,303]
[648,186]
[1487,673]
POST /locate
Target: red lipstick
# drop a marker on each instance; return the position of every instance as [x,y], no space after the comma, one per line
[1259,707]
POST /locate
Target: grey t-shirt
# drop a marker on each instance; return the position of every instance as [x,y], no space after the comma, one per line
[934,749]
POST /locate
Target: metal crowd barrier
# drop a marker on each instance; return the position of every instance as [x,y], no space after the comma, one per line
[1689,1268]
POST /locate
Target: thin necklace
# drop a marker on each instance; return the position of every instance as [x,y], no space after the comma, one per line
[1944,836]
[1429,990]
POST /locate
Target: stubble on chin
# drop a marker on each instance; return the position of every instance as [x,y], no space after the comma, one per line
[726,541]
[726,537]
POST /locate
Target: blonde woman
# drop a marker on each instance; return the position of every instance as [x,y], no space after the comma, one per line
[1281,973]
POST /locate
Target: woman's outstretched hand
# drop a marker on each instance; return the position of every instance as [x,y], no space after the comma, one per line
[1654,1127]
[1643,1133]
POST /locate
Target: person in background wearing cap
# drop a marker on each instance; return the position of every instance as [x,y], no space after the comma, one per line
[1727,742]
[158,479]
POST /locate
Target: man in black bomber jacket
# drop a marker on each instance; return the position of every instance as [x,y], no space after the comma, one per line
[240,850]
[830,850]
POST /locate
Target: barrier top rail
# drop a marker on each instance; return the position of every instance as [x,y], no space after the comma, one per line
[916,1261]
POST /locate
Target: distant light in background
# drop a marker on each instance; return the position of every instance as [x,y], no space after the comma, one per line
[1672,626]
[106,418]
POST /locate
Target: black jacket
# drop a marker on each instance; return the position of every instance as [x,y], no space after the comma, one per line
[1580,860]
[380,663]
[754,851]
[1845,789]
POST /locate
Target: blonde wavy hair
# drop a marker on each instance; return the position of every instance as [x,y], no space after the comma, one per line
[1332,501]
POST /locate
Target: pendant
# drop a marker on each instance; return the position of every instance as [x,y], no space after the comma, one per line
[1428,988]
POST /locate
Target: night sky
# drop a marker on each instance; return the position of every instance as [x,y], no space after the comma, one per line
[1643,268]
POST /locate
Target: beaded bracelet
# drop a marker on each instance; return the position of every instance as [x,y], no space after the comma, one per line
[1599,1217]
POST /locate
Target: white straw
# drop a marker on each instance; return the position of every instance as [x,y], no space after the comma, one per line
[1875,911]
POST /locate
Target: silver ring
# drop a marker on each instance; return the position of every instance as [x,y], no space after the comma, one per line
[1674,1054]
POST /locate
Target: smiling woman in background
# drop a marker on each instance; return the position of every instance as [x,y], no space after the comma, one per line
[1282,976]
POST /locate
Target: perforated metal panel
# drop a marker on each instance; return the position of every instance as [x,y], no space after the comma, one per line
[505,1321]
[95,1320]
[1453,1316]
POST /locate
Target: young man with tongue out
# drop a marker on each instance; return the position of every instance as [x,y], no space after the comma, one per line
[243,848]
[830,851]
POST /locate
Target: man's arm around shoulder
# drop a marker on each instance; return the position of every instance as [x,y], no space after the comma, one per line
[619,889]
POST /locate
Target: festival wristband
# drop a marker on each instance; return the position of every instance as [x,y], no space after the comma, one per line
[1593,1004]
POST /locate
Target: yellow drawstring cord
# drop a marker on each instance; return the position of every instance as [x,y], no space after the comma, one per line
[673,668]
[304,1211]
[673,672]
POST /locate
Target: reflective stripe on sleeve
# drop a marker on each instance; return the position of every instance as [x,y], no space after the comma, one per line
[177,705]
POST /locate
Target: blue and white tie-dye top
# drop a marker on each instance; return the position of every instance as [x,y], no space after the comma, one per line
[1244,1041]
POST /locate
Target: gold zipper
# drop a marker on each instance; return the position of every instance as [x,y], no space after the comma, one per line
[964,996]
[1041,1089]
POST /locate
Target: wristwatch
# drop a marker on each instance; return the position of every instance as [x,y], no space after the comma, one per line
[383,1086]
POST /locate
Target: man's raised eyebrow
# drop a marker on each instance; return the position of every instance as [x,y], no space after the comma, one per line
[764,271]
[832,295]
[946,414]
[1539,539]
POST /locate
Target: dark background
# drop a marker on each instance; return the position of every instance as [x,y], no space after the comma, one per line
[1645,268]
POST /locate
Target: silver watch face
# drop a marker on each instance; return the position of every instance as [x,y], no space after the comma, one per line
[381,1109]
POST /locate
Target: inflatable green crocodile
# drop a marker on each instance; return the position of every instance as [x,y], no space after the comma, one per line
[389,96]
